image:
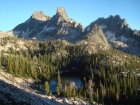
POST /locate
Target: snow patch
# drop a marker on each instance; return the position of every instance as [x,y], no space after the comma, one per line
[123,39]
[17,32]
[103,26]
[88,28]
[110,36]
[50,28]
[27,30]
[118,22]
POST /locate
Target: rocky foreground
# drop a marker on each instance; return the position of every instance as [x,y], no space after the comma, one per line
[14,90]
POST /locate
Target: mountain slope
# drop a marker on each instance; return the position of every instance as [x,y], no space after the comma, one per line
[94,33]
[93,39]
[15,90]
[42,27]
[119,34]
[33,25]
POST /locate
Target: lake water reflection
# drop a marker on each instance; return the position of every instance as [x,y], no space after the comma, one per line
[66,79]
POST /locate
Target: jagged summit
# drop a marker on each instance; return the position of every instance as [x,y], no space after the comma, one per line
[42,27]
[60,26]
[119,34]
[94,34]
[117,16]
[113,24]
[62,16]
[40,16]
[32,26]
[61,11]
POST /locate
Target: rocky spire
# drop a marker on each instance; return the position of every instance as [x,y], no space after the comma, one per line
[61,11]
[95,34]
[40,16]
[61,15]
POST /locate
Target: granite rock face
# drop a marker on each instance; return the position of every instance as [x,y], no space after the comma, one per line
[94,33]
[113,30]
[116,25]
[42,27]
[40,16]
[93,39]
[32,26]
[119,34]
[60,26]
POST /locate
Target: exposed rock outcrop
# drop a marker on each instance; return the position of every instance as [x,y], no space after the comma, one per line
[40,16]
[15,90]
[118,33]
[42,27]
[60,26]
[93,39]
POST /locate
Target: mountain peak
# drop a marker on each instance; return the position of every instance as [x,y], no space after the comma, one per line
[40,16]
[61,11]
[61,15]
[117,16]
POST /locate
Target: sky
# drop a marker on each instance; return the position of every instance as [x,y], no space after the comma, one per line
[14,12]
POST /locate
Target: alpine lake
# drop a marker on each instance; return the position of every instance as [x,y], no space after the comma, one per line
[66,78]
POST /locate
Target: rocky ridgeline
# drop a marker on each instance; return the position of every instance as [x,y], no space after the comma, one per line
[60,26]
[42,27]
[119,34]
[40,16]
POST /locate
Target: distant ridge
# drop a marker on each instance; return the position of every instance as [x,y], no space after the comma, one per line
[112,30]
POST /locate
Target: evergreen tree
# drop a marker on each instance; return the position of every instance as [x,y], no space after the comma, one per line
[65,90]
[47,87]
[90,90]
[90,87]
[57,90]
[72,89]
[10,65]
[59,84]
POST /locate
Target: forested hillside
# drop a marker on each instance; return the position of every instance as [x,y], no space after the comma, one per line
[109,76]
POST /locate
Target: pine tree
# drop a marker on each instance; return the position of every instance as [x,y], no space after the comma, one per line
[47,87]
[59,84]
[57,90]
[65,90]
[117,88]
[68,91]
[90,87]
[90,90]
[72,89]
[97,95]
[10,65]
[124,86]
